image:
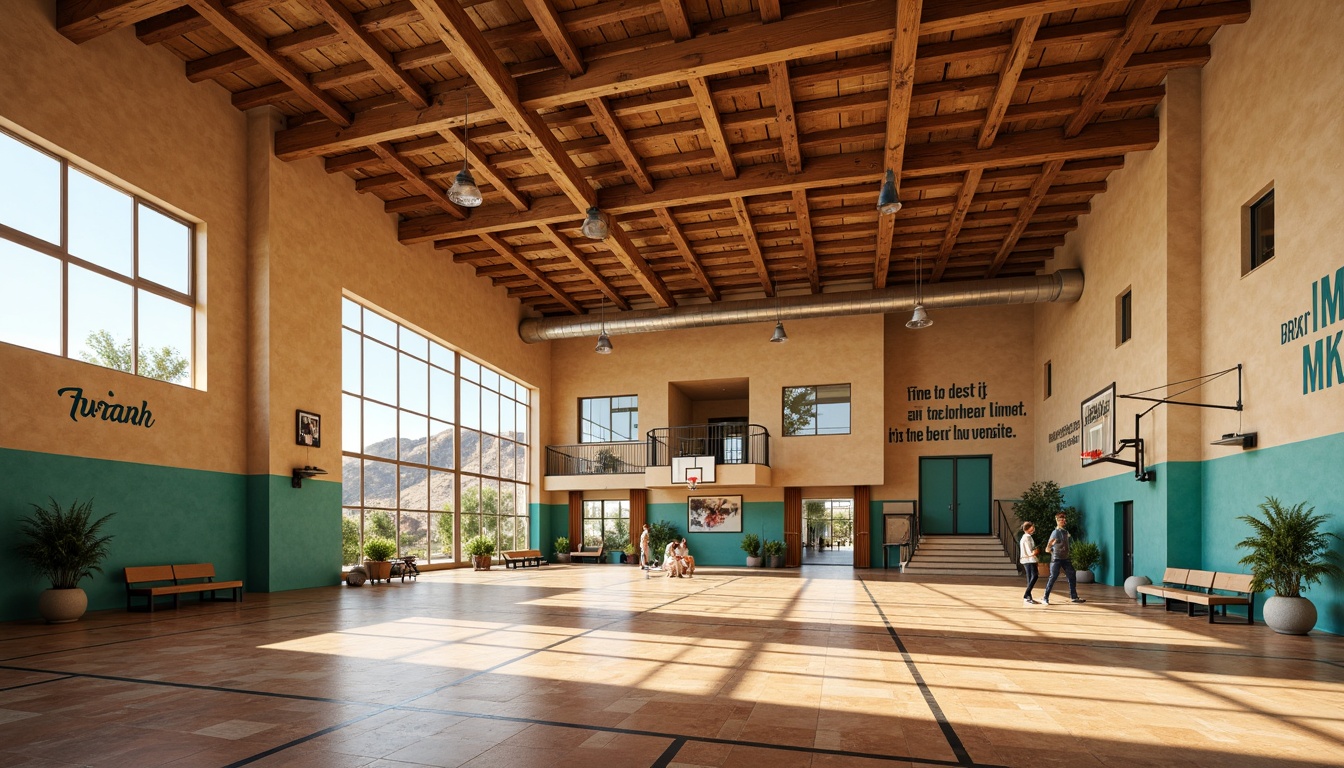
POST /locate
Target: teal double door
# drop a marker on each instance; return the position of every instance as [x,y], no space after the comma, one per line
[954,494]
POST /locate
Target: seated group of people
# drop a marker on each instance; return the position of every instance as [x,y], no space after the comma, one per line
[677,560]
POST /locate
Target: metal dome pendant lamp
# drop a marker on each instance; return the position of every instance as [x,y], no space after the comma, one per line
[464,191]
[779,336]
[920,319]
[603,340]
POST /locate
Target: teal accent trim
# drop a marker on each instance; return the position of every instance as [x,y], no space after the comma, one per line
[763,518]
[164,515]
[549,522]
[294,534]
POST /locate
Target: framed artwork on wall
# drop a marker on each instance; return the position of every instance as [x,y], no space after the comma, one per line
[714,514]
[308,429]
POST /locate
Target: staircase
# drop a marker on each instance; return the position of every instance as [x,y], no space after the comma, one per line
[961,556]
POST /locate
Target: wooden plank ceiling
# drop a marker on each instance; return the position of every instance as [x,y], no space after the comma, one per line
[737,144]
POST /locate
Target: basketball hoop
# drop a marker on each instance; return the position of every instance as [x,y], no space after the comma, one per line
[692,480]
[1092,455]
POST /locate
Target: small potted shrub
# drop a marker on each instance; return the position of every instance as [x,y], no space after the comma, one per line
[1288,550]
[1084,555]
[562,550]
[376,552]
[628,555]
[608,462]
[751,544]
[63,546]
[482,551]
[774,553]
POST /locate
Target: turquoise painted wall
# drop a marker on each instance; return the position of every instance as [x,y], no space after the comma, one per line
[549,522]
[763,518]
[293,534]
[164,515]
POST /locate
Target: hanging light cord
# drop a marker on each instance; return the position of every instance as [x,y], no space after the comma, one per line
[466,130]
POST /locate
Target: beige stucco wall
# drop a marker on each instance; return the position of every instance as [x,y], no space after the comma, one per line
[1274,114]
[125,109]
[963,347]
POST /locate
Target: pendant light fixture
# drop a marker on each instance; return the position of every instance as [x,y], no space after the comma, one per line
[464,191]
[887,200]
[779,336]
[603,340]
[920,319]
[596,226]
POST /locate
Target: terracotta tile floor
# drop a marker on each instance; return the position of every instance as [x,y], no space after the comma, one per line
[598,667]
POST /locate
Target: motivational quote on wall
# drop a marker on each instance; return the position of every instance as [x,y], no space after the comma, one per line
[938,414]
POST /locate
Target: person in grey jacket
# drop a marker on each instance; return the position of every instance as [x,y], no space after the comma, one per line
[1059,560]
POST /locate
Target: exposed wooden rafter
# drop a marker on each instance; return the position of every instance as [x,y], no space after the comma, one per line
[678,22]
[784,117]
[1018,53]
[583,264]
[557,35]
[1025,212]
[611,127]
[968,190]
[408,171]
[343,22]
[482,167]
[522,265]
[900,86]
[753,246]
[709,116]
[1141,15]
[803,215]
[683,246]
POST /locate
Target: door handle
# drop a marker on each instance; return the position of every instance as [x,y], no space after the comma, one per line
[949,507]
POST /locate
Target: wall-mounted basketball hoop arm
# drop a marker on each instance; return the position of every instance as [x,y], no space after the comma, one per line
[1141,472]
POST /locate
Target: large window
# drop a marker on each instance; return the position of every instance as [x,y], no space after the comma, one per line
[830,522]
[427,434]
[606,521]
[90,271]
[816,410]
[609,419]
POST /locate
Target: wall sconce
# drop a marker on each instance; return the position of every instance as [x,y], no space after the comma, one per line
[305,472]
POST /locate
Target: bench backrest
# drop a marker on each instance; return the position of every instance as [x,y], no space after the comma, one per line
[1175,575]
[137,574]
[1200,579]
[194,571]
[520,553]
[1233,582]
[600,548]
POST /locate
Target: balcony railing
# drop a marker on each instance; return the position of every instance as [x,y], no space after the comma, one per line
[727,443]
[595,459]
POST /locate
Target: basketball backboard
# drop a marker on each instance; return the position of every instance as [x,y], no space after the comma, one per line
[1098,426]
[702,467]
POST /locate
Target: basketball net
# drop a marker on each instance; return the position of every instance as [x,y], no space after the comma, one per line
[692,480]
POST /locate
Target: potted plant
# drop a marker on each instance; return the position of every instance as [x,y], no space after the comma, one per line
[774,553]
[63,546]
[562,550]
[660,533]
[1039,504]
[608,462]
[482,551]
[376,552]
[628,556]
[751,544]
[1288,550]
[1084,555]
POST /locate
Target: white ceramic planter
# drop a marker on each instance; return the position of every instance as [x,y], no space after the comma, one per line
[1289,615]
[1133,583]
[753,562]
[1086,577]
[62,606]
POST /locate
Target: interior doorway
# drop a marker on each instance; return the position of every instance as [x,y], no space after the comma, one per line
[828,533]
[954,495]
[1126,539]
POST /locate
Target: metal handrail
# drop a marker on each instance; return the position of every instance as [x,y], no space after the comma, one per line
[595,459]
[1005,530]
[729,443]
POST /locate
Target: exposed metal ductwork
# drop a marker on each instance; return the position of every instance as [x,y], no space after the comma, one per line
[1064,285]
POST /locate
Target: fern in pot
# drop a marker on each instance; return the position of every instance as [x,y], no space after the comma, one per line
[1288,550]
[751,544]
[64,546]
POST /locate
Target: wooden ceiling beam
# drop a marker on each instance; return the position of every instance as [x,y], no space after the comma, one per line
[557,35]
[522,265]
[83,20]
[582,263]
[784,116]
[241,33]
[412,174]
[618,242]
[1017,57]
[1101,141]
[753,247]
[1025,212]
[770,11]
[1137,23]
[678,239]
[709,115]
[803,214]
[900,87]
[481,163]
[678,21]
[620,145]
[345,25]
[968,189]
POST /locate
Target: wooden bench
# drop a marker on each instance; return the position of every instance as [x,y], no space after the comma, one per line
[1206,588]
[148,581]
[594,555]
[522,558]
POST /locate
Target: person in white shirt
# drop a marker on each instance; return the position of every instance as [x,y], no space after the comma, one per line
[671,563]
[1026,555]
[684,556]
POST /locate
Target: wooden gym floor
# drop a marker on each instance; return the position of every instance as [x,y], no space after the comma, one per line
[598,666]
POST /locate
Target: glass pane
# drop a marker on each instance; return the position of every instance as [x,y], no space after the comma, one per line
[99,320]
[380,485]
[380,327]
[380,372]
[521,394]
[506,419]
[506,460]
[380,430]
[351,547]
[471,507]
[414,488]
[350,312]
[490,529]
[440,538]
[506,533]
[800,410]
[506,387]
[470,370]
[470,456]
[30,190]
[441,491]
[165,339]
[352,488]
[414,385]
[30,294]
[521,526]
[520,424]
[490,379]
[350,361]
[100,224]
[520,463]
[489,455]
[351,425]
[413,343]
[507,499]
[441,443]
[471,405]
[441,356]
[414,438]
[489,412]
[441,395]
[592,533]
[592,509]
[165,250]
[381,523]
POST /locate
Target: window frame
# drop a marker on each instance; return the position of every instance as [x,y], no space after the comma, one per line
[582,433]
[622,512]
[61,252]
[1124,316]
[1049,379]
[1255,255]
[816,422]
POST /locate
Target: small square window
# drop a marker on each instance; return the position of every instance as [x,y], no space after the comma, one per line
[1049,381]
[1262,230]
[1124,317]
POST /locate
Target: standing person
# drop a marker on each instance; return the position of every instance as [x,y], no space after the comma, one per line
[1027,555]
[687,562]
[645,557]
[1059,559]
[671,563]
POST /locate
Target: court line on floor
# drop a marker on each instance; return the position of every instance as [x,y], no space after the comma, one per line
[36,682]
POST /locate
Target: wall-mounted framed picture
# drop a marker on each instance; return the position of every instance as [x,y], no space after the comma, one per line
[714,514]
[308,429]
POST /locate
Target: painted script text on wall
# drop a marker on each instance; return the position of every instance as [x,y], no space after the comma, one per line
[81,406]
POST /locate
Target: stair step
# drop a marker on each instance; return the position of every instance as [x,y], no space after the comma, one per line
[957,572]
